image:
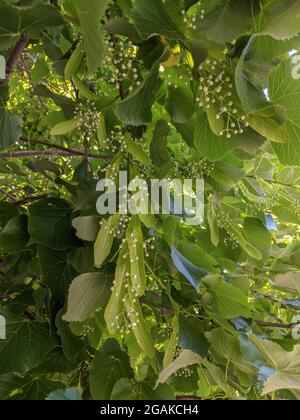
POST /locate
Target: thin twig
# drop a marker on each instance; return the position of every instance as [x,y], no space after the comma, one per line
[30,199]
[46,153]
[272,325]
[271,181]
[7,194]
[64,149]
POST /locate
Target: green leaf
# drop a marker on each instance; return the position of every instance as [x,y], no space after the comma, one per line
[115,307]
[73,346]
[137,152]
[40,16]
[9,25]
[180,104]
[230,301]
[159,151]
[190,271]
[89,14]
[286,365]
[101,130]
[136,109]
[151,18]
[269,128]
[258,236]
[50,224]
[110,364]
[105,239]
[28,388]
[285,91]
[251,250]
[87,227]
[57,273]
[226,349]
[121,26]
[126,389]
[216,124]
[138,324]
[10,128]
[14,237]
[74,61]
[279,19]
[227,19]
[65,127]
[66,104]
[87,293]
[213,225]
[282,381]
[198,256]
[191,336]
[170,226]
[7,212]
[289,282]
[251,96]
[54,362]
[28,342]
[186,358]
[216,375]
[207,143]
[198,49]
[14,22]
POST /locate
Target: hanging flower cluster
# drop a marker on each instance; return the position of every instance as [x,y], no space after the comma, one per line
[218,94]
[119,64]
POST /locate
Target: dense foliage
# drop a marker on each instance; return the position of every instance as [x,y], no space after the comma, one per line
[148,307]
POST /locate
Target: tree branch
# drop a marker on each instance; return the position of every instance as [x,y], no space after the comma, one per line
[272,325]
[46,153]
[15,56]
[38,153]
[68,150]
[167,309]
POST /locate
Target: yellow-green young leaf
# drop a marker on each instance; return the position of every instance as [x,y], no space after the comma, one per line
[105,239]
[213,225]
[148,220]
[215,120]
[89,13]
[87,227]
[138,325]
[137,152]
[87,293]
[101,130]
[135,242]
[230,301]
[269,128]
[65,127]
[289,282]
[136,109]
[186,358]
[247,247]
[84,90]
[279,19]
[74,62]
[115,308]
